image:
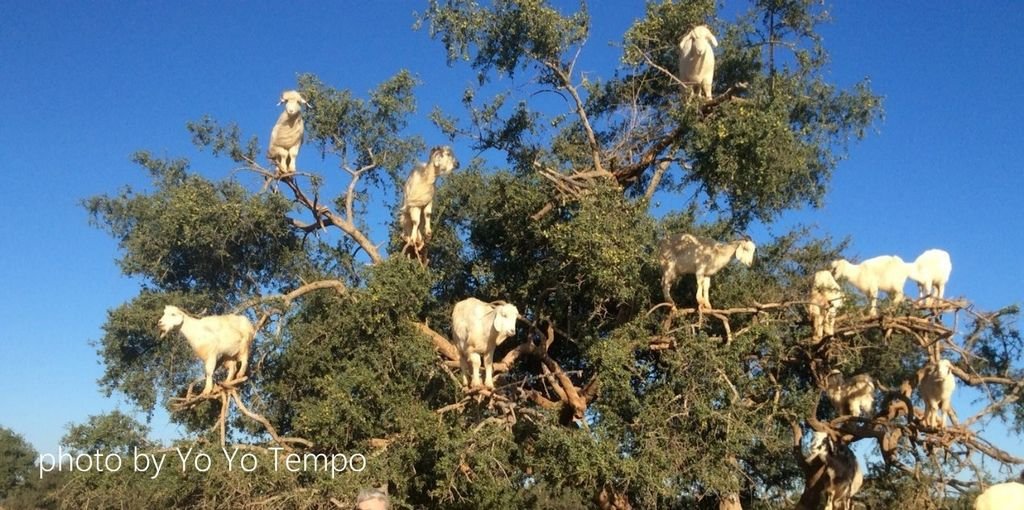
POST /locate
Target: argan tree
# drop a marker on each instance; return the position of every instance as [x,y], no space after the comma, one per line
[606,397]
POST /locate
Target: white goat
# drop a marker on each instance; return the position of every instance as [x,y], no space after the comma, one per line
[688,254]
[855,396]
[844,477]
[936,391]
[478,328]
[418,201]
[931,270]
[697,59]
[286,137]
[1001,496]
[884,273]
[826,299]
[226,337]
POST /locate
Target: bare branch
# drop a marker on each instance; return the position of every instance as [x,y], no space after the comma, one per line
[226,393]
[285,442]
[324,216]
[595,147]
[664,71]
[288,298]
[659,171]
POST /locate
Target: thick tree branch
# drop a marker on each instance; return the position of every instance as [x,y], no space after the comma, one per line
[446,348]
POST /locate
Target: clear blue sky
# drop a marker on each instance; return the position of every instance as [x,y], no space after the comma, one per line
[84,84]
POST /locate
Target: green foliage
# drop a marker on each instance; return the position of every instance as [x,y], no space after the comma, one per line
[363,132]
[366,372]
[733,161]
[188,488]
[769,150]
[657,34]
[223,140]
[191,234]
[506,36]
[605,244]
[17,462]
[114,432]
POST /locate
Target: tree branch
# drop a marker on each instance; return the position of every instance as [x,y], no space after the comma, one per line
[289,297]
[652,186]
[325,216]
[446,348]
[595,148]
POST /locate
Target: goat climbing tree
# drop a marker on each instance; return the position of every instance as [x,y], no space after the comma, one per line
[605,397]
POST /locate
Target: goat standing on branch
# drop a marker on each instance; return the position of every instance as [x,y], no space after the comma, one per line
[226,337]
[688,254]
[936,390]
[478,328]
[855,396]
[884,273]
[418,200]
[826,298]
[931,271]
[697,59]
[286,137]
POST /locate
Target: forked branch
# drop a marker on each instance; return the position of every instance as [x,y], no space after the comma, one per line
[226,393]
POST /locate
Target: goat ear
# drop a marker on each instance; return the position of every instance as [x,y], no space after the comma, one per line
[504,323]
[712,40]
[686,45]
